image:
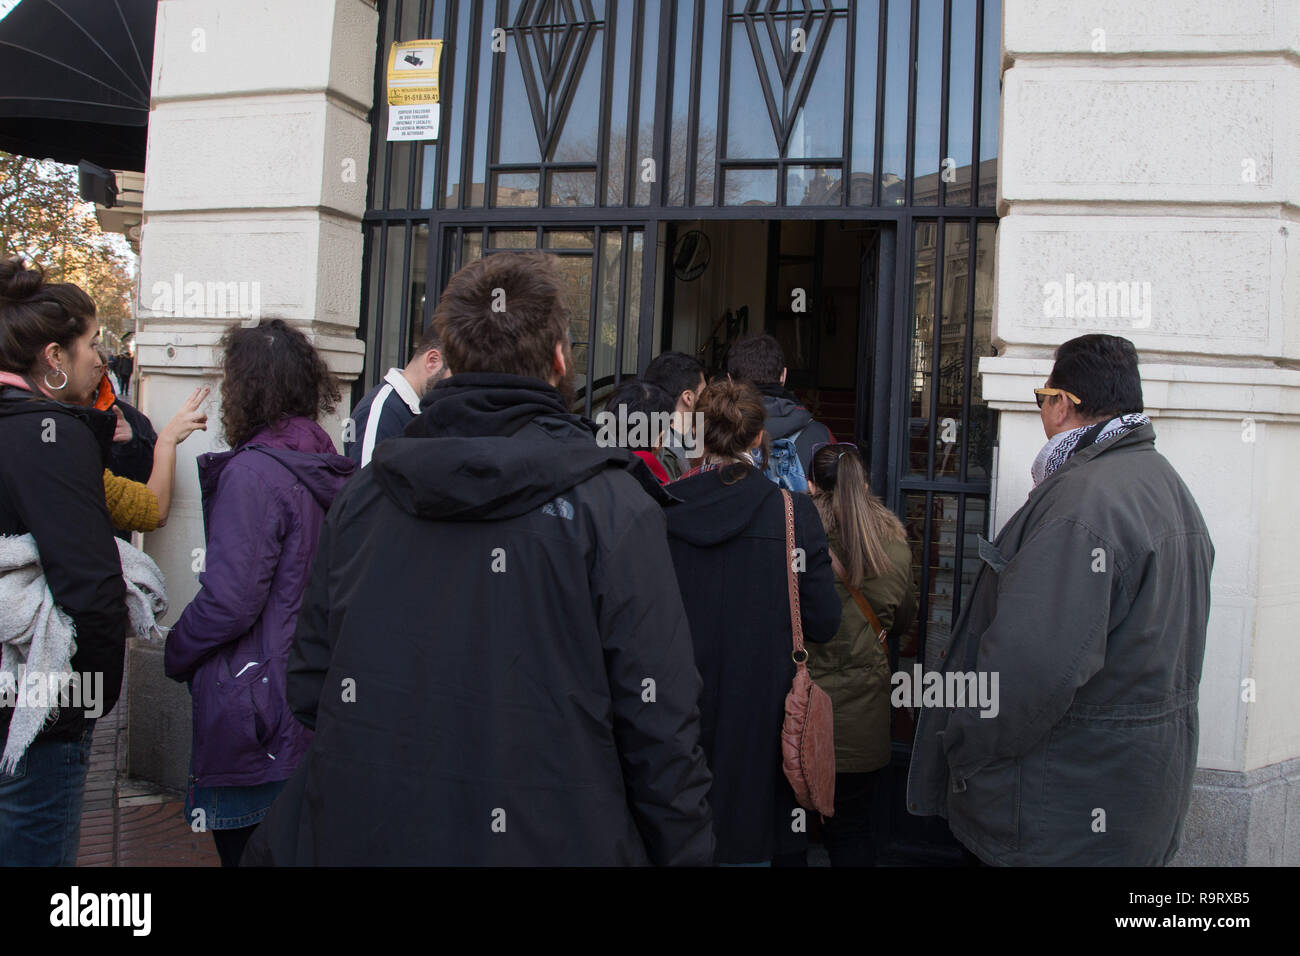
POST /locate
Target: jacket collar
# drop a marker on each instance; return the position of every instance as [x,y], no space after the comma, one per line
[403,389]
[1143,434]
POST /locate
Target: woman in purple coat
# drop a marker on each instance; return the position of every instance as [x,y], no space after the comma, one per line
[263,504]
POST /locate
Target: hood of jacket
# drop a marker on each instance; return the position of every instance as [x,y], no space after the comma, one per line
[301,446]
[712,512]
[489,446]
[785,415]
[16,401]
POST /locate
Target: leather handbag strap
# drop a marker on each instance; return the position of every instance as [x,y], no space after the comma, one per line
[796,619]
[863,605]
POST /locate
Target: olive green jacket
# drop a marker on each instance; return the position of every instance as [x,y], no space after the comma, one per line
[853,667]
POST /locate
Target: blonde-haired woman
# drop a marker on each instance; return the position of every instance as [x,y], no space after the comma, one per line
[873,578]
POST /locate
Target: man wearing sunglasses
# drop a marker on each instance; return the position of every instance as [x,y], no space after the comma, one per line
[1091,607]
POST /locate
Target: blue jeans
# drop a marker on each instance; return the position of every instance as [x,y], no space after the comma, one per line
[40,803]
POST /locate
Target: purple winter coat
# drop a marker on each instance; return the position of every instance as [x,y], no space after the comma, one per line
[263,505]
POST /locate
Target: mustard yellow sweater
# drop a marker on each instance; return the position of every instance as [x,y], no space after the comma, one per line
[131,505]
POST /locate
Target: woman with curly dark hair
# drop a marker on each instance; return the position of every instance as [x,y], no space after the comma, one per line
[263,505]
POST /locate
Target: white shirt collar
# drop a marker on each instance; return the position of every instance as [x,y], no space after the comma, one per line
[403,389]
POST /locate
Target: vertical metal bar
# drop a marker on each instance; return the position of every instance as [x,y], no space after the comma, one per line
[904,332]
[944,59]
[471,108]
[978,101]
[494,119]
[881,53]
[649,277]
[593,315]
[846,146]
[693,112]
[620,317]
[432,269]
[403,320]
[670,288]
[606,93]
[909,180]
[883,424]
[724,102]
[923,613]
[972,259]
[447,94]
[632,137]
[378,343]
[663,108]
[936,340]
[388,146]
[960,546]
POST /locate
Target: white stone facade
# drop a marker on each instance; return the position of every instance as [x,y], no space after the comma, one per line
[1158,144]
[255,186]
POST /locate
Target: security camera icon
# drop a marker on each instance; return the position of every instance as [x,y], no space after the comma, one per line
[413,59]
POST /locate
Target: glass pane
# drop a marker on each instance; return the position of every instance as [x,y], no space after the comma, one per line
[578,137]
[982,430]
[679,139]
[389,351]
[977,519]
[517,132]
[812,185]
[611,280]
[706,154]
[514,189]
[471,247]
[865,56]
[459,54]
[426,174]
[952,349]
[920,387]
[942,559]
[897,56]
[643,147]
[961,103]
[620,91]
[749,187]
[990,102]
[749,126]
[512,239]
[399,175]
[818,129]
[576,271]
[632,306]
[418,290]
[929,93]
[568,187]
[566,239]
[482,109]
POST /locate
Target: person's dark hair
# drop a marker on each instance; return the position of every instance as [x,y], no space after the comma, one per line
[674,372]
[520,338]
[271,372]
[733,414]
[852,512]
[34,313]
[756,358]
[642,398]
[1102,371]
[429,339]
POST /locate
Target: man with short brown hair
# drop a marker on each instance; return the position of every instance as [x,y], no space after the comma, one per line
[492,649]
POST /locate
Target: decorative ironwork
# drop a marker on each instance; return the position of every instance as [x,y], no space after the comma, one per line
[814,23]
[553,42]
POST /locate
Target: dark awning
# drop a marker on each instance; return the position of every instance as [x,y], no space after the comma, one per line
[74,80]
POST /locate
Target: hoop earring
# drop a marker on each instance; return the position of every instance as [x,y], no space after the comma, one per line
[57,388]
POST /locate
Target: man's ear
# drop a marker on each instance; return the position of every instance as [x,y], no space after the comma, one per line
[559,366]
[433,361]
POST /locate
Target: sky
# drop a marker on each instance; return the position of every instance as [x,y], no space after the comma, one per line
[6,6]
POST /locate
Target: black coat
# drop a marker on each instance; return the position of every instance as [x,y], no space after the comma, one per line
[493,654]
[52,486]
[728,547]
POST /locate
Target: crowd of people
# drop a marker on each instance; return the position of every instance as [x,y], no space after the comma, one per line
[481,636]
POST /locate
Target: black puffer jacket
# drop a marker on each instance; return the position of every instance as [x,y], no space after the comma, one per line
[493,653]
[52,486]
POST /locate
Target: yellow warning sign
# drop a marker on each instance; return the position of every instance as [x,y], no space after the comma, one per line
[414,111]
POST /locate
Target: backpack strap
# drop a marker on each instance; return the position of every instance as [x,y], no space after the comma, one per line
[863,605]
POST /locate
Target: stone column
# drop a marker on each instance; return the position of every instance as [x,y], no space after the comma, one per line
[1158,144]
[254,191]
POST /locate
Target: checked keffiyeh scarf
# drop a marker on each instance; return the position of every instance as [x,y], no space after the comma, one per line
[1060,447]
